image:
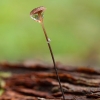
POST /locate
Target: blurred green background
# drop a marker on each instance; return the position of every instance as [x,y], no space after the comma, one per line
[72,25]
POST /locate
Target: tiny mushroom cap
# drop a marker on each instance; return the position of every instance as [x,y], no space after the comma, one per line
[37,10]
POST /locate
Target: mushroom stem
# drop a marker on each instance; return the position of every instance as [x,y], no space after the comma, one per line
[48,41]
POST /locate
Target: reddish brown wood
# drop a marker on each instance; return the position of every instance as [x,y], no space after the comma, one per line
[37,81]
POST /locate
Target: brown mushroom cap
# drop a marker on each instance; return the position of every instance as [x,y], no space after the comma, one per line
[37,10]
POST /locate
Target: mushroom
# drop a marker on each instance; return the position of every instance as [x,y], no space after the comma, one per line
[37,15]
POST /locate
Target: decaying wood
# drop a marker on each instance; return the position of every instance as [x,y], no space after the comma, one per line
[33,80]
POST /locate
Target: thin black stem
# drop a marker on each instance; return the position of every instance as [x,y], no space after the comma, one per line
[48,41]
[0,83]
